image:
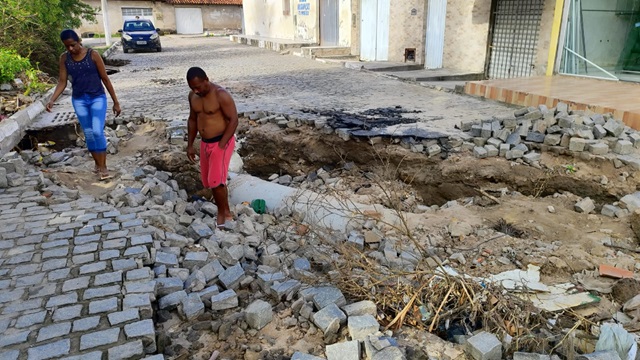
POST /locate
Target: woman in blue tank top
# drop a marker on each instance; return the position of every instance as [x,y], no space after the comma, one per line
[87,72]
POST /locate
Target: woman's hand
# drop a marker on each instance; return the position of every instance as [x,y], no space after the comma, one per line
[116,109]
[49,106]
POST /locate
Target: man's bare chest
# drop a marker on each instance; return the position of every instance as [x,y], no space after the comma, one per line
[206,106]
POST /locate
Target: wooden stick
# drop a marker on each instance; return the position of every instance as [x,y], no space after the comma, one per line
[489,196]
[637,251]
[435,317]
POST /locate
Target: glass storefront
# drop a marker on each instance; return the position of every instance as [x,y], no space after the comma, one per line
[602,39]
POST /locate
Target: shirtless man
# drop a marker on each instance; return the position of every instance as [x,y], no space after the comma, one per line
[213,114]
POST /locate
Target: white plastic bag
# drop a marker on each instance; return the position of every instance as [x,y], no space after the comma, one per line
[615,337]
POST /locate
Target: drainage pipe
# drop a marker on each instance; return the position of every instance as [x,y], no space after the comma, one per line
[326,211]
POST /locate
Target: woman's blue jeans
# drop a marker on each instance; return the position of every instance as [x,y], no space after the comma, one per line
[92,113]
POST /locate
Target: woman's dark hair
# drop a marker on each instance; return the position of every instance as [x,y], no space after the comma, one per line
[67,34]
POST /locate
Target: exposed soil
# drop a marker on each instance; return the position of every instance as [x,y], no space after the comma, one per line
[270,150]
[577,238]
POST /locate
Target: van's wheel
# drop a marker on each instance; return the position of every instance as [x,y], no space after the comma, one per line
[125,50]
[159,49]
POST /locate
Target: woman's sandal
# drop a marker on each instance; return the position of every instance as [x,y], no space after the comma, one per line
[105,176]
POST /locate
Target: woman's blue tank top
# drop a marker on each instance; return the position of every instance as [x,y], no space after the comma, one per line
[85,78]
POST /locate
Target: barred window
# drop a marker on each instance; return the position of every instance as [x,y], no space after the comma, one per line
[137,12]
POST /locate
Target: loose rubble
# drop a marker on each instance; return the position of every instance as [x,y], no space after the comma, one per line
[338,295]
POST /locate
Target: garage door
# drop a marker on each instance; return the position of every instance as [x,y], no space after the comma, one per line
[514,38]
[189,21]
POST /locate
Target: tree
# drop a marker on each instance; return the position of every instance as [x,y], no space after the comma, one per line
[32,28]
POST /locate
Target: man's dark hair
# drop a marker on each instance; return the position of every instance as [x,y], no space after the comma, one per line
[67,34]
[196,72]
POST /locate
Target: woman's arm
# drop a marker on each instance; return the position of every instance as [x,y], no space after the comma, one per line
[102,71]
[62,82]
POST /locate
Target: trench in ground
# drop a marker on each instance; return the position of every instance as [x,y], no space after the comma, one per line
[269,150]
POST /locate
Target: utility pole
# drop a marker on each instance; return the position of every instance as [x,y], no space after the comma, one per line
[105,20]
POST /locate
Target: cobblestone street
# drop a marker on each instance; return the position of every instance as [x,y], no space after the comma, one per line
[76,280]
[154,84]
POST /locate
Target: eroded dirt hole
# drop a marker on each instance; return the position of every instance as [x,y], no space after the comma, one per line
[301,152]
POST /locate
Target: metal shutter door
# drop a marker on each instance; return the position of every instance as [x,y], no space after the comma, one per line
[514,39]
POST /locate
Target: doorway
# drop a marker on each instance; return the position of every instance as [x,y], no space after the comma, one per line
[515,26]
[374,30]
[329,23]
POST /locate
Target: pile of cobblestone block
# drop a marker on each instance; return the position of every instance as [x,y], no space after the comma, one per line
[12,170]
[558,130]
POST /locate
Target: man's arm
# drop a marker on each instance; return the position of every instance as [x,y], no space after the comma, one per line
[192,130]
[228,107]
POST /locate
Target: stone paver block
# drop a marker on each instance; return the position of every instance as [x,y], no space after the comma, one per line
[365,307]
[285,288]
[164,258]
[598,148]
[144,273]
[11,354]
[101,292]
[301,356]
[86,323]
[230,278]
[166,286]
[326,295]
[99,338]
[53,331]
[191,307]
[258,314]
[93,268]
[630,202]
[94,355]
[623,147]
[124,264]
[577,144]
[141,239]
[362,326]
[75,284]
[67,313]
[15,338]
[585,206]
[108,278]
[329,319]
[349,350]
[530,356]
[484,346]
[31,319]
[480,152]
[106,305]
[195,281]
[171,301]
[130,350]
[120,317]
[64,299]
[49,351]
[225,300]
[142,329]
[193,259]
[140,301]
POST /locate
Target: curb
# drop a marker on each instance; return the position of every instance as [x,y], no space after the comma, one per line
[13,129]
[111,49]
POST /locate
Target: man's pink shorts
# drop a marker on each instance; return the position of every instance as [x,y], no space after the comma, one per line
[214,163]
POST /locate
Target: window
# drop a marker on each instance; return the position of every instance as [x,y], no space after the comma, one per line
[286,7]
[136,12]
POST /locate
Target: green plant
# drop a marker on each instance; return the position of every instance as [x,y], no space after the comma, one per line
[11,64]
[570,169]
[33,82]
